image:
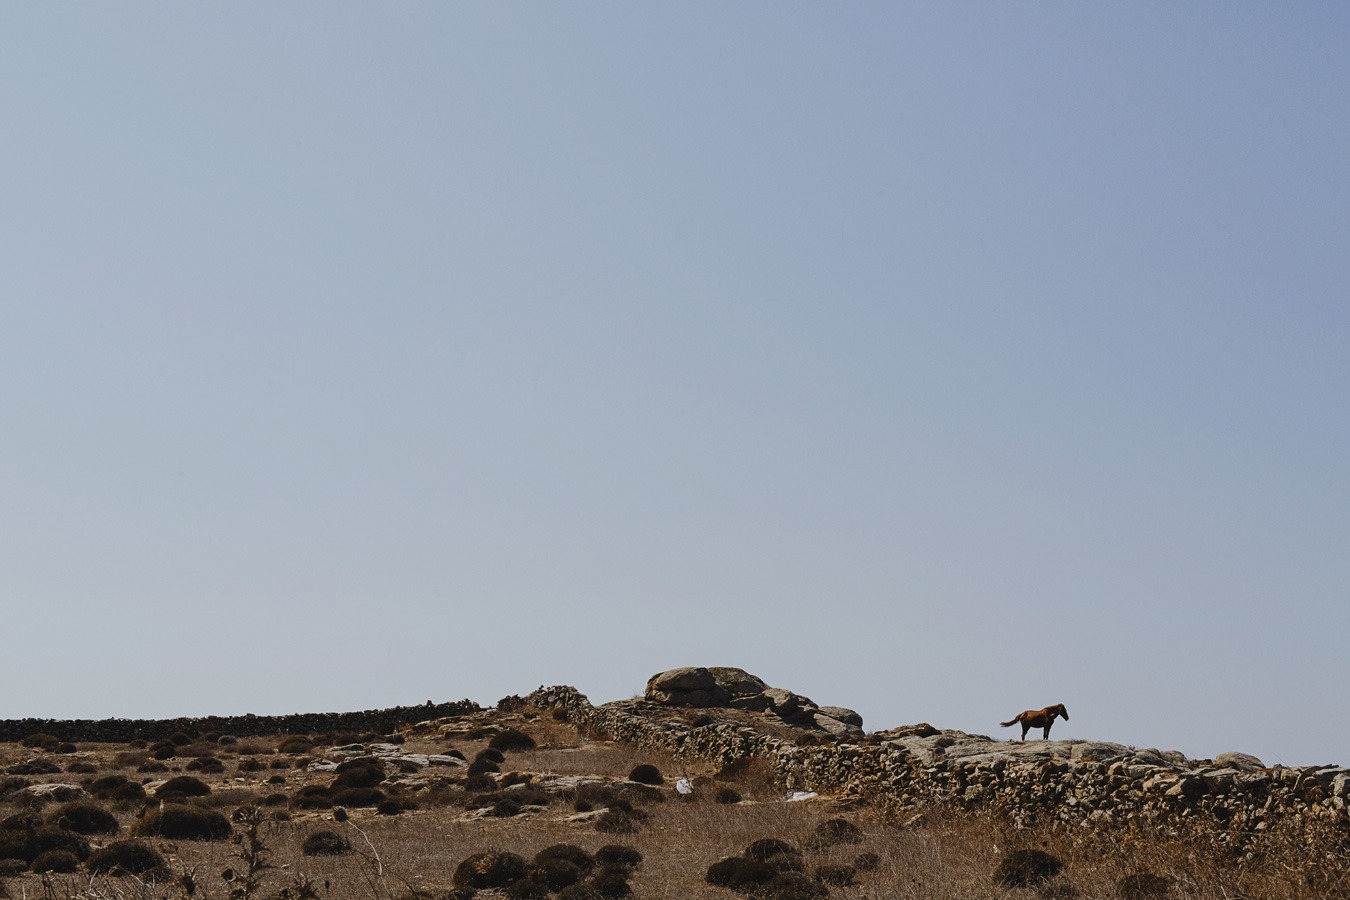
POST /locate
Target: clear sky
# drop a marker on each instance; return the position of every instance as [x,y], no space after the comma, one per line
[939,360]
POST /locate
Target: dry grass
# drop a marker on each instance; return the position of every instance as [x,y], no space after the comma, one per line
[934,856]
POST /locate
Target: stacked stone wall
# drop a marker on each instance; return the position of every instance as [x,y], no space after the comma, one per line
[1076,783]
[122,730]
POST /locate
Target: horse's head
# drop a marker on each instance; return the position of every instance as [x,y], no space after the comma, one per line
[1059,708]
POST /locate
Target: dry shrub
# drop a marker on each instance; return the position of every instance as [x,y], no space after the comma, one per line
[646,773]
[511,741]
[357,797]
[295,746]
[34,767]
[56,861]
[490,869]
[208,765]
[42,741]
[362,772]
[792,886]
[618,856]
[184,786]
[765,848]
[836,875]
[1143,886]
[483,767]
[619,821]
[610,884]
[127,858]
[84,817]
[1026,868]
[180,821]
[325,842]
[727,795]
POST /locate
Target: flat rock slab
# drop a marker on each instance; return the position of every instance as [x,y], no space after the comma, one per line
[57,793]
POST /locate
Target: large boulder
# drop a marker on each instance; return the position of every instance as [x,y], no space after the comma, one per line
[727,686]
[841,714]
[738,682]
[687,686]
[833,726]
[1243,762]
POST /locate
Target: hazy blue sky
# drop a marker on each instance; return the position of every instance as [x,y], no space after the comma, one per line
[938,360]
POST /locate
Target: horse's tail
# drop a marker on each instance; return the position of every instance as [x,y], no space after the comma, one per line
[1015,719]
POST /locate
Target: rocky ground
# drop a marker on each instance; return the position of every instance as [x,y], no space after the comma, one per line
[713,784]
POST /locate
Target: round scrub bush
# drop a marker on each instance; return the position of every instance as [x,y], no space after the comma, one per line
[126,858]
[482,767]
[577,892]
[511,741]
[721,872]
[785,862]
[42,741]
[836,876]
[17,845]
[503,809]
[532,888]
[490,869]
[357,797]
[184,785]
[838,831]
[49,838]
[59,861]
[751,875]
[792,886]
[179,821]
[1026,868]
[128,793]
[764,848]
[9,868]
[295,746]
[557,873]
[727,795]
[84,817]
[617,821]
[312,796]
[611,883]
[490,753]
[325,842]
[359,773]
[34,767]
[646,774]
[569,852]
[867,861]
[618,856]
[477,784]
[103,786]
[208,765]
[1143,886]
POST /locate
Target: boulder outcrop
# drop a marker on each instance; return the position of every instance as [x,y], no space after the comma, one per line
[730,688]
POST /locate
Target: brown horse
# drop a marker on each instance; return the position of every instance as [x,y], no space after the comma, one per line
[1038,718]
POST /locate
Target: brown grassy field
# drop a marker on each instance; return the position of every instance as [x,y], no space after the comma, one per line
[565,790]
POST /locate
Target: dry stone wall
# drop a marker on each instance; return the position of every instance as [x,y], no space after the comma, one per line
[121,730]
[1077,783]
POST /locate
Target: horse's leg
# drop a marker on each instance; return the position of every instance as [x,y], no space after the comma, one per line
[1025,729]
[1046,736]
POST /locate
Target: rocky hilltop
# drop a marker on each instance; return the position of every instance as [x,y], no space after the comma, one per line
[907,769]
